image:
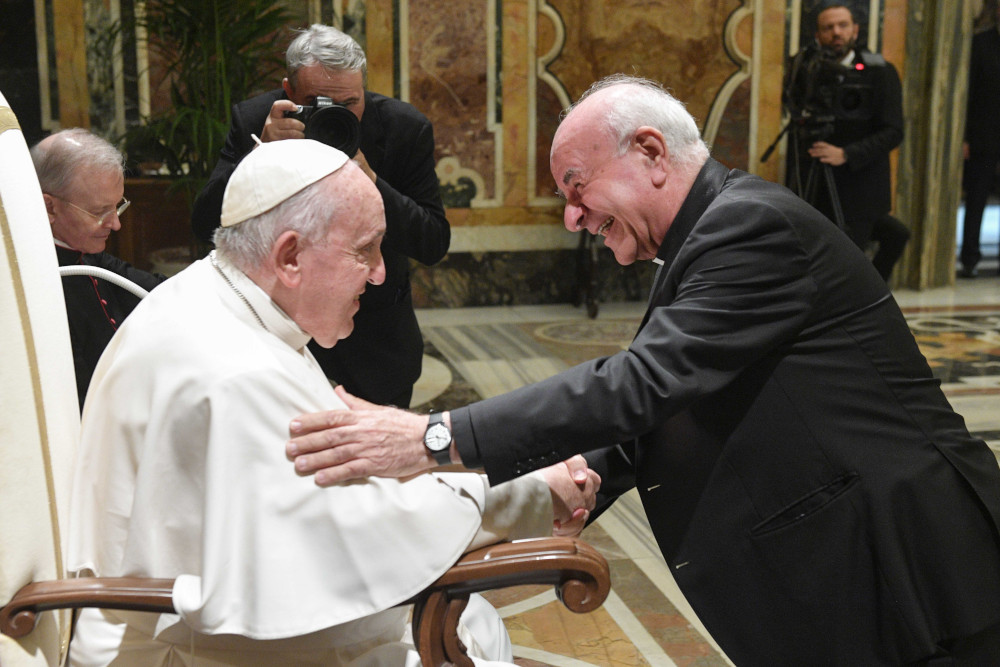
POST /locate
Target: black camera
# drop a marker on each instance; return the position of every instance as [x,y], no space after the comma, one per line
[330,123]
[820,87]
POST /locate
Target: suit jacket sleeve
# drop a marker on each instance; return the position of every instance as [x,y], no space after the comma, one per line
[752,278]
[415,221]
[616,467]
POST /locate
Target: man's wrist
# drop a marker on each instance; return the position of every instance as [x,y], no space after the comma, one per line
[453,454]
[438,441]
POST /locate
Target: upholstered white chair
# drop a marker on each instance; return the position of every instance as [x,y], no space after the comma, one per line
[39,428]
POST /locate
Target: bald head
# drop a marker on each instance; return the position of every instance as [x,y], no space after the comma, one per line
[619,105]
[60,157]
[82,179]
[625,157]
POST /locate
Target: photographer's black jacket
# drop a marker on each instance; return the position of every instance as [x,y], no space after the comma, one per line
[863,183]
[381,359]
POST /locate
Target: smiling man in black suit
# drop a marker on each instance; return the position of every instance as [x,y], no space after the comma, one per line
[815,496]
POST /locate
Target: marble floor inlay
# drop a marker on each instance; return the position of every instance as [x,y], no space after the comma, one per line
[474,353]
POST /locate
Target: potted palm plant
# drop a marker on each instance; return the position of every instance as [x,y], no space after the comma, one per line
[208,54]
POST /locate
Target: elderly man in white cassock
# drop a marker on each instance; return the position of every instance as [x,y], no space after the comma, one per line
[182,470]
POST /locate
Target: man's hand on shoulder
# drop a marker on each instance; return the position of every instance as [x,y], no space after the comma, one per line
[277,127]
[367,440]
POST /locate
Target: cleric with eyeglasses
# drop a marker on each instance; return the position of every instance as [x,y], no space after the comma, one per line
[83,184]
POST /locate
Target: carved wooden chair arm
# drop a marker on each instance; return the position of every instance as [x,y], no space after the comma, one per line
[17,618]
[579,573]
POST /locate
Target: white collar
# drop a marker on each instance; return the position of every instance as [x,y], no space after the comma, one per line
[257,305]
[848,59]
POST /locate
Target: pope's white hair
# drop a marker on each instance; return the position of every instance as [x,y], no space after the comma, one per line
[309,212]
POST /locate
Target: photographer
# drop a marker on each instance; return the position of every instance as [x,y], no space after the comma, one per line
[846,104]
[382,358]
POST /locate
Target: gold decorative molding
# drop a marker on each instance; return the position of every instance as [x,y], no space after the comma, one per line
[743,60]
[540,72]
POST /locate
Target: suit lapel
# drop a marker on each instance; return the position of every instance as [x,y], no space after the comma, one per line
[705,189]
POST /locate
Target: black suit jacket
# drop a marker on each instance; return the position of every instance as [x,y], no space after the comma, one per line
[96,308]
[863,184]
[982,129]
[381,359]
[816,497]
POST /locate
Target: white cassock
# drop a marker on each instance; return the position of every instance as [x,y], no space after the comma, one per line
[182,473]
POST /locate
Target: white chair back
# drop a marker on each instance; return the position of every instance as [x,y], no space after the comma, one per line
[39,413]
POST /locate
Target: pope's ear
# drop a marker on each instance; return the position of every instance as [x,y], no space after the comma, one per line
[284,258]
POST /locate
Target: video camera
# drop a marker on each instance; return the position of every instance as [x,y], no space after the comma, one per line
[820,90]
[330,123]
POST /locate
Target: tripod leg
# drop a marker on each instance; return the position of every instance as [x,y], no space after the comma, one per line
[831,186]
[810,188]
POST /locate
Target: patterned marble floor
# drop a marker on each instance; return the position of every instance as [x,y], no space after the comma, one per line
[481,352]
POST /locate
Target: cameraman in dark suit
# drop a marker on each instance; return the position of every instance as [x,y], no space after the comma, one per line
[866,123]
[381,359]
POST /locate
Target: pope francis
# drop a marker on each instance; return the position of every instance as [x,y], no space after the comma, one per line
[182,470]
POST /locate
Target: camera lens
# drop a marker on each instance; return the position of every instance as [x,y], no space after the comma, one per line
[335,126]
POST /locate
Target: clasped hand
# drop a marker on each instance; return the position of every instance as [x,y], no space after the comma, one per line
[370,440]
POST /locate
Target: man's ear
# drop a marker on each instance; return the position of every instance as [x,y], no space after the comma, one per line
[651,145]
[50,207]
[287,86]
[284,258]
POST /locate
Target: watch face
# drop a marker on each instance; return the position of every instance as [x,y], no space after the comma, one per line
[437,437]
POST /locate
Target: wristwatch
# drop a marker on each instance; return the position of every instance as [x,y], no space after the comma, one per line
[437,439]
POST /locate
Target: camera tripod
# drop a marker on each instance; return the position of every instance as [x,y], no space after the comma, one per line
[817,168]
[809,193]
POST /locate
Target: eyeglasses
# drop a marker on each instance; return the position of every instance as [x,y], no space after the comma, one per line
[101,219]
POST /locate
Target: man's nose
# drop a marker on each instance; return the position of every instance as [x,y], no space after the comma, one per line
[116,222]
[377,274]
[573,217]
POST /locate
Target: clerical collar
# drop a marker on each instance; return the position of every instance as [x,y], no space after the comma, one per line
[258,304]
[848,59]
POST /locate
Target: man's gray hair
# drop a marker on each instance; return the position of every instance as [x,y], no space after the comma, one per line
[329,47]
[62,156]
[308,212]
[645,102]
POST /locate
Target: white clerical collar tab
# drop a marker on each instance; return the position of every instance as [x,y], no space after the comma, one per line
[657,260]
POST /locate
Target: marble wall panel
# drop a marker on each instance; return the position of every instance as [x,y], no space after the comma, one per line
[678,44]
[531,277]
[730,146]
[451,76]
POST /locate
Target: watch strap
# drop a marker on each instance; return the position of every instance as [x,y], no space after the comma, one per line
[443,456]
